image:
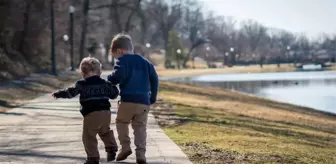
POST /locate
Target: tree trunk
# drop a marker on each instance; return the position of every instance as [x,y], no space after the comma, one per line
[84,29]
[116,16]
[25,27]
[185,61]
[166,41]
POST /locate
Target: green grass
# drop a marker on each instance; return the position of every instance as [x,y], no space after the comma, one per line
[210,133]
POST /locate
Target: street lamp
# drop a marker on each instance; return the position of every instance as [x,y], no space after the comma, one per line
[231,57]
[288,51]
[148,45]
[65,39]
[207,57]
[178,51]
[288,48]
[71,11]
[207,50]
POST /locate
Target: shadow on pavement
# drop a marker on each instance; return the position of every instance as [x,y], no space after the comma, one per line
[12,113]
[5,104]
[39,155]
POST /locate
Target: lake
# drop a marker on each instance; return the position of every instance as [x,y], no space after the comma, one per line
[310,89]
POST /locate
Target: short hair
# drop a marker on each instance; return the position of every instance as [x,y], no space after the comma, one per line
[90,64]
[122,41]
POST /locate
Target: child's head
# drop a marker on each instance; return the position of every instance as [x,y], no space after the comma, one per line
[121,44]
[90,66]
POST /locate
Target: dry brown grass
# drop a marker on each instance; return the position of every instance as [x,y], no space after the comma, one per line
[247,105]
[213,126]
[17,93]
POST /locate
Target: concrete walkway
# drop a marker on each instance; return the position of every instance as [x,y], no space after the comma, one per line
[48,131]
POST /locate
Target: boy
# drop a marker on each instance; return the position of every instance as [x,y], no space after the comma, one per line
[94,93]
[138,83]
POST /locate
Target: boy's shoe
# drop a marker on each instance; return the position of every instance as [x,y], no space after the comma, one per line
[111,156]
[91,162]
[141,162]
[123,155]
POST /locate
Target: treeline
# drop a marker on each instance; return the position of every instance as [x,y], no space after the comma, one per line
[164,24]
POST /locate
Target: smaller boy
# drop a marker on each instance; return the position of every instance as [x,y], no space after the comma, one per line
[95,93]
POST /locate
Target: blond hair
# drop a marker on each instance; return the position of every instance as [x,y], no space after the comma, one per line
[121,41]
[90,65]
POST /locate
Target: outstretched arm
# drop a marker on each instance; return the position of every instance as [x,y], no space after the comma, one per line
[67,93]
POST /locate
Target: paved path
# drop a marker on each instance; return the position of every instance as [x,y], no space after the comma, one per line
[48,131]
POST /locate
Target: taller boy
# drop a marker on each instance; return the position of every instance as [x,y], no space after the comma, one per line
[138,83]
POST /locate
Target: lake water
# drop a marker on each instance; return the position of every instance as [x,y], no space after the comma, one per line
[310,89]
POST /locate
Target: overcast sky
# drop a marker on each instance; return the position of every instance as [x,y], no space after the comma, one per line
[302,16]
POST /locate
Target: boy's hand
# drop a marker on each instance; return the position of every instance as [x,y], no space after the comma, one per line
[152,101]
[53,95]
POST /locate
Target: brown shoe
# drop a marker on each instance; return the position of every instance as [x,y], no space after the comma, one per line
[91,162]
[141,162]
[123,155]
[111,156]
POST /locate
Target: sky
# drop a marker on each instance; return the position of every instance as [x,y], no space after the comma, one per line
[311,17]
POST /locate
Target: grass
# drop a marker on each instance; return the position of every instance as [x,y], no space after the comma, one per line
[218,126]
[14,94]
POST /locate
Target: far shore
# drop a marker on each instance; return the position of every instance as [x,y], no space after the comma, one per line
[235,69]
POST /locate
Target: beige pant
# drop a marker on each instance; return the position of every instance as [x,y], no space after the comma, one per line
[137,115]
[98,123]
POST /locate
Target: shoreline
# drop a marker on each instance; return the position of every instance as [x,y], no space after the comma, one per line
[311,109]
[176,77]
[236,69]
[303,109]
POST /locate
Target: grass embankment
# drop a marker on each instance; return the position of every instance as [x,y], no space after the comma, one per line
[218,126]
[235,69]
[17,93]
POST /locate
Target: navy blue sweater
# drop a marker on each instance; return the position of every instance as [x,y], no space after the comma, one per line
[137,79]
[94,92]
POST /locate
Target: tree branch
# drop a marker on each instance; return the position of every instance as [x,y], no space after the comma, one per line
[110,6]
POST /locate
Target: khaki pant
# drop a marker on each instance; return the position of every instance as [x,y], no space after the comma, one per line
[137,115]
[98,123]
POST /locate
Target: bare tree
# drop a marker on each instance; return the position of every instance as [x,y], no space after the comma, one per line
[305,46]
[329,44]
[254,32]
[166,16]
[193,27]
[221,31]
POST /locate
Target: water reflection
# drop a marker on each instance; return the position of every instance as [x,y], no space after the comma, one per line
[311,89]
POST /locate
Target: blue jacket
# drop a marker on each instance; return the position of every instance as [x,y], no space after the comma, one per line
[137,79]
